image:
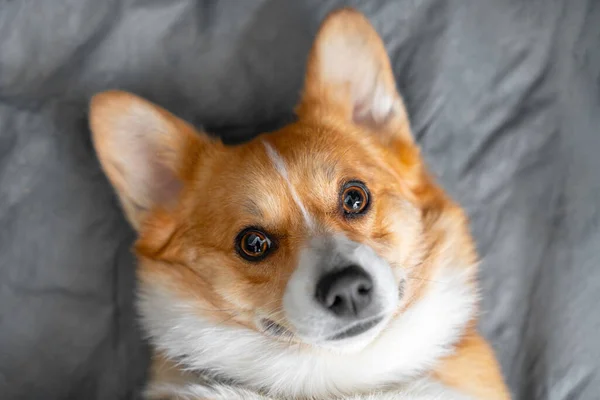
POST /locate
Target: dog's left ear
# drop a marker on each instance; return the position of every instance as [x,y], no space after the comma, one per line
[349,74]
[147,153]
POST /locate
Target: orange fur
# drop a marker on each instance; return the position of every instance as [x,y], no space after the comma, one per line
[473,369]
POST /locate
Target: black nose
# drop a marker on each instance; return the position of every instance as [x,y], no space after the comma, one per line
[346,292]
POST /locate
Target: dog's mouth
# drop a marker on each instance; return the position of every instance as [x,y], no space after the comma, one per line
[278,331]
[272,328]
[356,329]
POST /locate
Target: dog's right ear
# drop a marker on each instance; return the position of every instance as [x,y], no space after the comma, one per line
[146,152]
[349,74]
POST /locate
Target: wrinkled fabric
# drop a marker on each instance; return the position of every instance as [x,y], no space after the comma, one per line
[505,101]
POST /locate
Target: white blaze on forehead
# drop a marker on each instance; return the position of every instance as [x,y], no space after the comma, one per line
[282,170]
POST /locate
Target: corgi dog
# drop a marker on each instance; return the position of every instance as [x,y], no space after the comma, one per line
[320,261]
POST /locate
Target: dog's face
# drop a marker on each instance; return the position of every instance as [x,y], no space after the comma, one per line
[316,234]
[304,235]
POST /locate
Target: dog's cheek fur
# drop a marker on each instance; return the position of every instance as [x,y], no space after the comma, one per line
[215,287]
[399,234]
[220,284]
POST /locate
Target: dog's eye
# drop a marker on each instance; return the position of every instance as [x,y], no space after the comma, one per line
[253,244]
[355,198]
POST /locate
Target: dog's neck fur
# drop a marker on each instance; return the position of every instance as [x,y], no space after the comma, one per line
[408,348]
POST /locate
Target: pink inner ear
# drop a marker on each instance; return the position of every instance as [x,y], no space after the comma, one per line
[351,61]
[165,186]
[151,180]
[374,108]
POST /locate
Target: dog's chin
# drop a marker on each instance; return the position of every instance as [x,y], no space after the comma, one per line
[352,338]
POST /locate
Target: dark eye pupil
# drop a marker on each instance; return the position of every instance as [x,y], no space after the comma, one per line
[353,200]
[255,243]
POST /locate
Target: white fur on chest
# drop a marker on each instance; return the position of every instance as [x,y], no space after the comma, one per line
[410,345]
[423,389]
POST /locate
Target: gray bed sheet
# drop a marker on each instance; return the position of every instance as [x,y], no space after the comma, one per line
[505,101]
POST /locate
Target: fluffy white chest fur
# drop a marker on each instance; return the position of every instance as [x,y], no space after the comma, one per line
[410,345]
[420,390]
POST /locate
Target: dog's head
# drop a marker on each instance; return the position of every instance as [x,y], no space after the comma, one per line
[320,234]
